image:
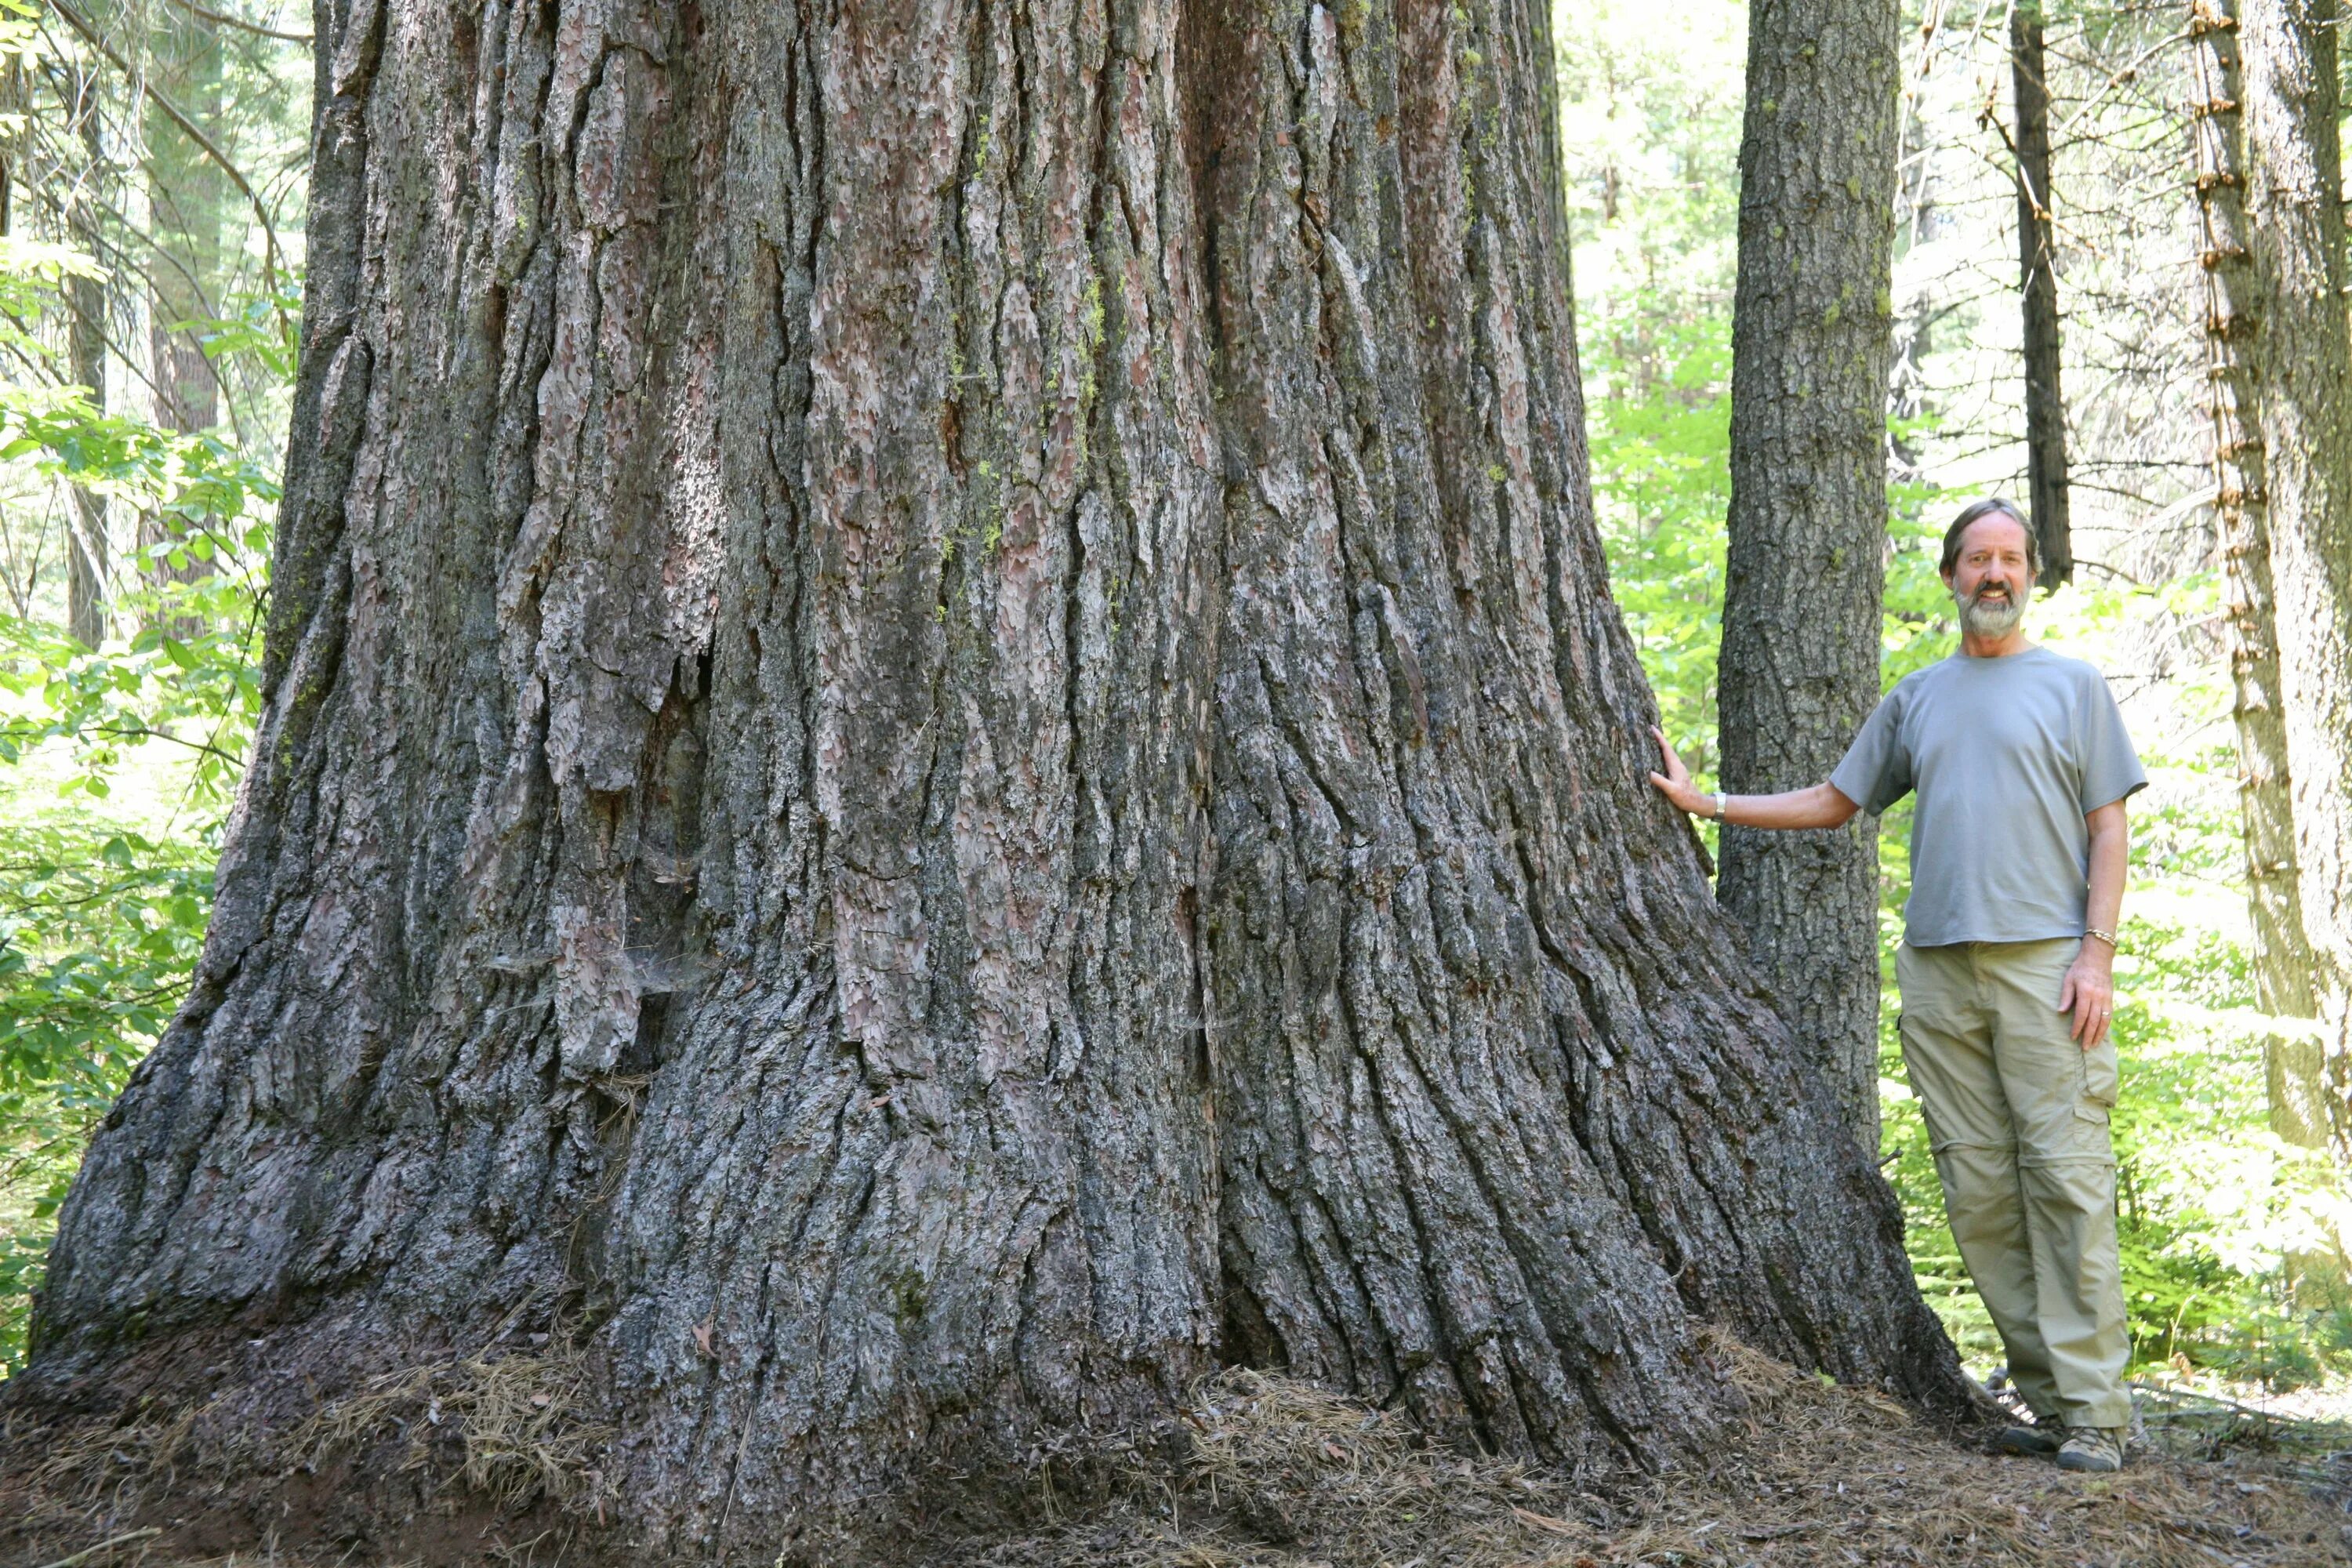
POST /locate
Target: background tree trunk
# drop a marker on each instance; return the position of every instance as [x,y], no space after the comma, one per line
[187,198]
[2295,210]
[945,739]
[86,543]
[1812,347]
[2045,406]
[2234,306]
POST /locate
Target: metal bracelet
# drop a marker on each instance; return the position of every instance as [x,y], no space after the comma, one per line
[2106,936]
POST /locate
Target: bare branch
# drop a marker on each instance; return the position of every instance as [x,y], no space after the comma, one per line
[188,128]
[207,13]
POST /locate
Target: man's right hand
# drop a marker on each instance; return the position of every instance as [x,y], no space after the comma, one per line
[1823,805]
[1675,784]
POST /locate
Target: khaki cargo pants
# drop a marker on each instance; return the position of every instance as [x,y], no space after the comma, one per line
[2017,1116]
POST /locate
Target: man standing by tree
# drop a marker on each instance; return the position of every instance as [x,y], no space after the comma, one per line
[2018,851]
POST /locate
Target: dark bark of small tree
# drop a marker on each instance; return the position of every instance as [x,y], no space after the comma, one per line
[2295,208]
[1812,348]
[86,544]
[2234,307]
[86,549]
[188,197]
[2045,404]
[945,739]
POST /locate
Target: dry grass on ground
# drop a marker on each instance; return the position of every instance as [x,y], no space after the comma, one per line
[1283,1475]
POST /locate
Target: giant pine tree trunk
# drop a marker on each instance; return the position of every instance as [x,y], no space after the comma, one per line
[2233,310]
[945,739]
[1811,346]
[2294,204]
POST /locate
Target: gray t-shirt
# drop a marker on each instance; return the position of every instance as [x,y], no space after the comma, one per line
[2007,754]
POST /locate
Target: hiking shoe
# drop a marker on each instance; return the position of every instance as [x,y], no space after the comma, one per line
[2097,1451]
[2031,1437]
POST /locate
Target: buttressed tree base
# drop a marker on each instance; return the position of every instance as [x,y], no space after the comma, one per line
[946,743]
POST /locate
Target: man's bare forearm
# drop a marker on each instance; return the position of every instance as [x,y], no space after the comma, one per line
[2110,858]
[2089,991]
[1820,807]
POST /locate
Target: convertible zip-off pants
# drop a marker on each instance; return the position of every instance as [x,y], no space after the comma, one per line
[2017,1116]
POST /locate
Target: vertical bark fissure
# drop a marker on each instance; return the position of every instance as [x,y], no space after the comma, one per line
[1337,756]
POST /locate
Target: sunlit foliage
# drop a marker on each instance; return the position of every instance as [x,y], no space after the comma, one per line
[148,324]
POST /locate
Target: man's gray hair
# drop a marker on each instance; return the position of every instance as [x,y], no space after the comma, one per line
[1989,507]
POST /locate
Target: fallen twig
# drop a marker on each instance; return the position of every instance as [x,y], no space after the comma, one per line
[86,1553]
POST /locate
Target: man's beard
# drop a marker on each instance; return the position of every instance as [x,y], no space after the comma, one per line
[1978,618]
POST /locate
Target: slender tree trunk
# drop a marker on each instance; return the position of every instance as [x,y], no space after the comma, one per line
[86,551]
[187,198]
[1812,348]
[2294,203]
[86,548]
[1919,210]
[945,739]
[2045,406]
[2234,306]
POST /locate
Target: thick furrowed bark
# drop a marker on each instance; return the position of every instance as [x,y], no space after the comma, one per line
[1473,1139]
[843,820]
[736,746]
[987,1196]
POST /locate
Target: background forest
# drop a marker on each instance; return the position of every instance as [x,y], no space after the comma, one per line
[150,264]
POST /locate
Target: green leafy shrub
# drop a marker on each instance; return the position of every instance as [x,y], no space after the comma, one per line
[117,764]
[1661,479]
[98,931]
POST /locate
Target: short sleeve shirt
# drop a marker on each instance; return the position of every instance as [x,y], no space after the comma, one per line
[2008,756]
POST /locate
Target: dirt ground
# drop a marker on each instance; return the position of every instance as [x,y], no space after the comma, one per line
[1277,1475]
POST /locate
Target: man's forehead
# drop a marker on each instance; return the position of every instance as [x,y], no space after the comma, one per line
[1991,531]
